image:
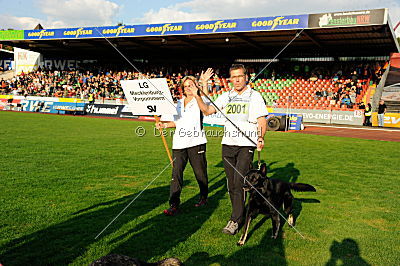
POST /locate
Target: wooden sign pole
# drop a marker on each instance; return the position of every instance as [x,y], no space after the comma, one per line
[163,139]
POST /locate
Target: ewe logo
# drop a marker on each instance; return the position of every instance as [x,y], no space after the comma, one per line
[392,120]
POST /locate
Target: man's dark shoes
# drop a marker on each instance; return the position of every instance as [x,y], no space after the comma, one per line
[201,202]
[171,211]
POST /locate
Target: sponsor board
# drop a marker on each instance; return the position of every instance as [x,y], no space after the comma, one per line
[9,104]
[38,106]
[149,97]
[295,120]
[350,18]
[327,116]
[278,22]
[68,107]
[11,35]
[49,105]
[212,26]
[390,119]
[103,110]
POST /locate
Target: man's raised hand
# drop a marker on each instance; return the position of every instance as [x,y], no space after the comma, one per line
[205,76]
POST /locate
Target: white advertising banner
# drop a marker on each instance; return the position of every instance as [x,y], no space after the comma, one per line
[26,61]
[327,116]
[149,97]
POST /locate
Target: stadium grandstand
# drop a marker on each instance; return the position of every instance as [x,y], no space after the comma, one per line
[329,62]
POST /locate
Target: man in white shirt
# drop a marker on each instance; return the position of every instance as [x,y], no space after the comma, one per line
[246,109]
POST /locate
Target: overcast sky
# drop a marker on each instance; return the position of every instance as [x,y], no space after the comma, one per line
[26,14]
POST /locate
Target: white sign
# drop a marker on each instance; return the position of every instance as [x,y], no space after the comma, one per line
[26,61]
[149,97]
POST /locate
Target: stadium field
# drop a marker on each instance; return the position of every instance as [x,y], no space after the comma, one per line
[64,178]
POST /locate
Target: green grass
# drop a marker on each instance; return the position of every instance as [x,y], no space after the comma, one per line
[63,179]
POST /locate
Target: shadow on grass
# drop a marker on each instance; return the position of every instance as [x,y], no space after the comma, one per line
[61,243]
[298,206]
[287,173]
[346,252]
[158,235]
[290,173]
[267,252]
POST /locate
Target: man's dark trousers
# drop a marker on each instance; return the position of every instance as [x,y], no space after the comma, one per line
[241,157]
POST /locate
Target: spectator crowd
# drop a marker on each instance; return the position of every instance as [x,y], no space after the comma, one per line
[104,83]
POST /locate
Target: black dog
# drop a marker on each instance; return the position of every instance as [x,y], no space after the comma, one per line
[277,193]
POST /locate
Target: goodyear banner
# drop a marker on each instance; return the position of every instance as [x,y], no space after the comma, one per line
[348,18]
[214,26]
[334,19]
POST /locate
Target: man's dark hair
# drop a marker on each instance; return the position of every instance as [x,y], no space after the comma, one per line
[238,66]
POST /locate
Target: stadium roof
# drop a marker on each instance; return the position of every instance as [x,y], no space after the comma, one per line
[353,33]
